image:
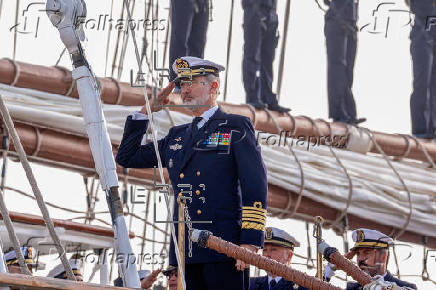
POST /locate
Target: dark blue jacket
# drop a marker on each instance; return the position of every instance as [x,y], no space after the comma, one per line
[388,277]
[261,283]
[343,10]
[225,177]
[423,8]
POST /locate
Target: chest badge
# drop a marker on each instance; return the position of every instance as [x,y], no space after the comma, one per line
[175,147]
[217,138]
[178,139]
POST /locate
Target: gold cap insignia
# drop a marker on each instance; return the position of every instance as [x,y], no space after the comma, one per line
[181,63]
[268,233]
[360,236]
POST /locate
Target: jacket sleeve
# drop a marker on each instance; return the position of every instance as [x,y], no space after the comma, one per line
[131,154]
[253,182]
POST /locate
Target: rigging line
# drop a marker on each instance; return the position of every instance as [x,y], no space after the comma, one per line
[114,60]
[409,195]
[125,41]
[15,29]
[229,43]
[5,147]
[60,56]
[12,235]
[341,165]
[108,39]
[47,203]
[1,8]
[283,49]
[138,218]
[154,138]
[32,180]
[144,229]
[147,9]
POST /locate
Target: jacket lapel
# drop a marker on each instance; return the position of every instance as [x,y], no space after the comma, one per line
[192,141]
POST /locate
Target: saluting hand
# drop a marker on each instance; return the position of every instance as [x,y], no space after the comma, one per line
[240,265]
[161,99]
[148,281]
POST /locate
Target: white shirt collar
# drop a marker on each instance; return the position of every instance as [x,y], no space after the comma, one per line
[276,278]
[206,116]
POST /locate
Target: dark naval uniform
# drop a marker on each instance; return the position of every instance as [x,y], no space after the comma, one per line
[220,167]
[423,51]
[189,22]
[341,40]
[260,42]
[261,283]
[388,277]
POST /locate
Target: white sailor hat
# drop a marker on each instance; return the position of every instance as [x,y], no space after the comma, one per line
[366,238]
[280,237]
[189,66]
[59,270]
[28,254]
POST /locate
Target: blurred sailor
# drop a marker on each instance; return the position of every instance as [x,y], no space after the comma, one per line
[171,274]
[11,260]
[189,22]
[146,277]
[371,248]
[340,31]
[423,51]
[60,273]
[279,246]
[260,42]
[216,162]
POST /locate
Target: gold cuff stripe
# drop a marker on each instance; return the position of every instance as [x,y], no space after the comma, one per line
[244,211]
[11,262]
[253,226]
[255,216]
[371,244]
[254,220]
[254,208]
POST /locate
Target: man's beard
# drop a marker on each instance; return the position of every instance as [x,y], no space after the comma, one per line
[193,103]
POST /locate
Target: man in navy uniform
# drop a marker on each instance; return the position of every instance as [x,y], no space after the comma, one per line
[189,21]
[59,272]
[372,250]
[341,40]
[260,42]
[217,162]
[423,51]
[11,260]
[279,246]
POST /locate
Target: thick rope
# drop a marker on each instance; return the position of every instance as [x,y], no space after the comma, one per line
[156,149]
[13,236]
[409,216]
[40,200]
[253,111]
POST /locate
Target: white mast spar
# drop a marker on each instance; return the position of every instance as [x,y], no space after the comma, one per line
[67,16]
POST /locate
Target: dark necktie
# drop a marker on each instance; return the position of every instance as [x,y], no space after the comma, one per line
[272,284]
[194,129]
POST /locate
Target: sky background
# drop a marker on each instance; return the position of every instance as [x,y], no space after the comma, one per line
[382,83]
